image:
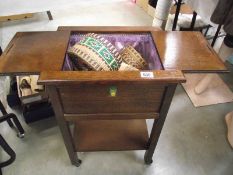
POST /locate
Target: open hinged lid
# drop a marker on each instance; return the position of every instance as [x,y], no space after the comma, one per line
[187,51]
[34,52]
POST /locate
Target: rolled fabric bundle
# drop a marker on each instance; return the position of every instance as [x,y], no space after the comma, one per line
[126,67]
[96,52]
[131,57]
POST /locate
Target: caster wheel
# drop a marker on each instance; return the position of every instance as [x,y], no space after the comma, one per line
[77,163]
[20,135]
[148,162]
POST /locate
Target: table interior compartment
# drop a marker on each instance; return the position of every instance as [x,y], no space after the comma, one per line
[142,42]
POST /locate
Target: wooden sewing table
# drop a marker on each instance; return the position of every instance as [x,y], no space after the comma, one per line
[104,122]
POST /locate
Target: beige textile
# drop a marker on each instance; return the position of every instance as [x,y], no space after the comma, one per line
[126,67]
[89,57]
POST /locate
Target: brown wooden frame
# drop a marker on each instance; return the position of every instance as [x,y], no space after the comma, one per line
[187,50]
[178,50]
[56,80]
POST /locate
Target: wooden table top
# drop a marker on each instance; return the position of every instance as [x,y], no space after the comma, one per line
[34,52]
[187,51]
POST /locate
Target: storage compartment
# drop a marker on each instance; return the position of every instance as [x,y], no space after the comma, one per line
[97,98]
[142,42]
[110,135]
[137,98]
[128,97]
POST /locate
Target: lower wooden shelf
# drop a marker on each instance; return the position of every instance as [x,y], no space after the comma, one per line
[110,135]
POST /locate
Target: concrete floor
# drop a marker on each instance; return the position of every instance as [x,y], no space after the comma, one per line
[193,140]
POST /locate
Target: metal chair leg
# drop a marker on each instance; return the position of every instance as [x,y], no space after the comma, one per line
[3,110]
[16,123]
[216,35]
[207,29]
[193,21]
[8,150]
[10,123]
[176,15]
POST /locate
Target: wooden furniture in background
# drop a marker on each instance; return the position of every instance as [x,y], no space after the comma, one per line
[16,17]
[22,16]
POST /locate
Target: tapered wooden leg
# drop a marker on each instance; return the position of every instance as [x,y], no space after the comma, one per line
[49,15]
[158,124]
[63,125]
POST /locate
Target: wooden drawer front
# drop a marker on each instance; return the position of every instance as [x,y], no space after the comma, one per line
[91,99]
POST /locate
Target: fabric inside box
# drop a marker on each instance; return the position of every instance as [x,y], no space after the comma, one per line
[143,43]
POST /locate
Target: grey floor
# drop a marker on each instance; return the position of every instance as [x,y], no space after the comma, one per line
[193,140]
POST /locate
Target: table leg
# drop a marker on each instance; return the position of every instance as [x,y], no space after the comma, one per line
[64,126]
[216,35]
[207,29]
[193,21]
[49,15]
[178,5]
[158,124]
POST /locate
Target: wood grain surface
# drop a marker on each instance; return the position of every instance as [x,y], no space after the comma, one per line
[187,51]
[33,52]
[77,77]
[114,29]
[111,116]
[130,97]
[110,135]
